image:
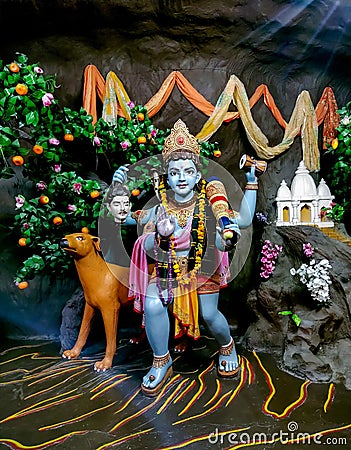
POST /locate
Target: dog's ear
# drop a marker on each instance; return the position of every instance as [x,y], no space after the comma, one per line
[96,242]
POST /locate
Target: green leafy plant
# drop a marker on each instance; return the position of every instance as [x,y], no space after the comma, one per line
[296,319]
[339,176]
[335,212]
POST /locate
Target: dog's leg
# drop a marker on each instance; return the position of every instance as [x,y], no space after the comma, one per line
[83,333]
[110,318]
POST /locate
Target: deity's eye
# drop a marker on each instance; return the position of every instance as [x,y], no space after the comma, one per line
[79,238]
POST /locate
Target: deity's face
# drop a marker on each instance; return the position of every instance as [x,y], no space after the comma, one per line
[119,207]
[182,178]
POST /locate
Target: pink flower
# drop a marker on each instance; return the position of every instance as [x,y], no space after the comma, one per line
[153,133]
[41,185]
[54,141]
[308,249]
[72,208]
[57,168]
[96,141]
[20,201]
[47,99]
[26,226]
[125,145]
[38,70]
[131,105]
[77,187]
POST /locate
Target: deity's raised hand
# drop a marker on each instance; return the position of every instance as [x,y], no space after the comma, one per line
[120,175]
[165,224]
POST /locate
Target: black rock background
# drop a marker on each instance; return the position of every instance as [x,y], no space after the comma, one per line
[290,46]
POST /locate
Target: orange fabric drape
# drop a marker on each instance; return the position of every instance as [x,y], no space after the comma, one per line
[325,110]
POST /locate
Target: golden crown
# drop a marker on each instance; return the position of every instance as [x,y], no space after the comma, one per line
[179,141]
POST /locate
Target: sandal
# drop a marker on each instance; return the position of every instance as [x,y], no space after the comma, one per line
[158,363]
[227,350]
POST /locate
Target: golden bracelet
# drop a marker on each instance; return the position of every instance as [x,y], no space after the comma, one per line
[251,186]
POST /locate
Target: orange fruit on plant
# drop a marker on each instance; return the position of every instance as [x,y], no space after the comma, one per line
[38,149]
[140,117]
[22,241]
[44,199]
[68,137]
[94,194]
[21,89]
[141,140]
[57,220]
[14,67]
[217,153]
[18,160]
[85,230]
[335,143]
[22,285]
[135,192]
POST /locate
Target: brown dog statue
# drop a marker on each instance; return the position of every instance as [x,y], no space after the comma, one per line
[105,289]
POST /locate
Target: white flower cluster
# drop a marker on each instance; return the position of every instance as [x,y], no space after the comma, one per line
[316,278]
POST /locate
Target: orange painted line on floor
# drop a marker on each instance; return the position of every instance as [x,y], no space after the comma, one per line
[200,391]
[55,385]
[51,375]
[186,390]
[216,394]
[34,355]
[124,439]
[208,411]
[96,388]
[205,437]
[107,388]
[330,397]
[131,398]
[15,445]
[75,419]
[302,397]
[146,408]
[250,370]
[173,395]
[32,407]
[243,378]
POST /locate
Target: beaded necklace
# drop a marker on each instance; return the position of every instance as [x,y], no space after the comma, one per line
[198,237]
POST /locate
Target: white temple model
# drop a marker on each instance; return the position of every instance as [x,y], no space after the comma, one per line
[303,203]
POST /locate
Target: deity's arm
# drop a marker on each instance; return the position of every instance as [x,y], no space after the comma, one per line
[248,202]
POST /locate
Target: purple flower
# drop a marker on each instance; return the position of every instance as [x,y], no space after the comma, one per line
[96,141]
[41,185]
[47,99]
[270,254]
[72,208]
[308,249]
[153,132]
[131,105]
[54,141]
[38,70]
[57,168]
[77,187]
[26,226]
[125,145]
[19,201]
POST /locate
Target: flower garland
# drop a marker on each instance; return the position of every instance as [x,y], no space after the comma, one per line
[198,234]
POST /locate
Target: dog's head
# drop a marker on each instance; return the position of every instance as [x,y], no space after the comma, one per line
[80,244]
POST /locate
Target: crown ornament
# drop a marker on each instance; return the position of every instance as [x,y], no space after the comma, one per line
[180,141]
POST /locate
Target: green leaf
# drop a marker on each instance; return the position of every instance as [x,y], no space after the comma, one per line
[296,319]
[285,313]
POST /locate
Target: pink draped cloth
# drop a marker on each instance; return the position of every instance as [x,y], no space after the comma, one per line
[139,275]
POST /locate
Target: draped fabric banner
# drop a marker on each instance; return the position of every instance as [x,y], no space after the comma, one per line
[304,120]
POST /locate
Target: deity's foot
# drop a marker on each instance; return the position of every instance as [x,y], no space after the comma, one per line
[182,345]
[157,376]
[228,364]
